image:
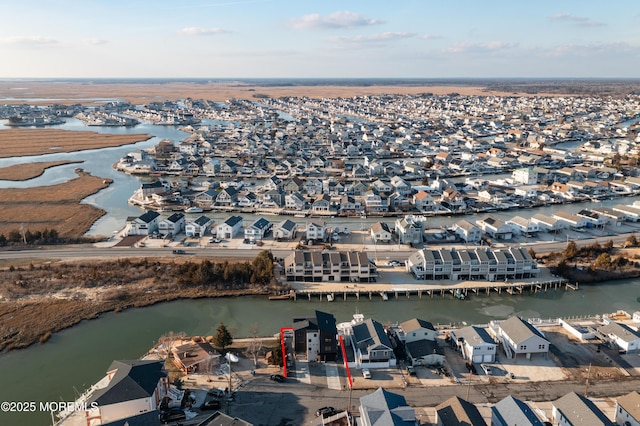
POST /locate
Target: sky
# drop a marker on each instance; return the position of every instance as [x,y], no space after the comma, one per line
[319,39]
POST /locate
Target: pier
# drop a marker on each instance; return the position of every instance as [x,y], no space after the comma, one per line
[371,291]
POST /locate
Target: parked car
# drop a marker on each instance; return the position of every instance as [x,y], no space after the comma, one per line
[366,374]
[411,370]
[178,251]
[393,263]
[278,378]
[324,410]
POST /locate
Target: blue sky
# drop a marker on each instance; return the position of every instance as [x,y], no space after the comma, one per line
[319,39]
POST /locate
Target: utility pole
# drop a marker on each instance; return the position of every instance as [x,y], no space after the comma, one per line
[586,388]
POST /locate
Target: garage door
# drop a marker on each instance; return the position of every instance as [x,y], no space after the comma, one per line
[487,358]
[477,358]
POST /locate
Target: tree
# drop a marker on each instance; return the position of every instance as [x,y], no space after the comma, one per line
[631,241]
[571,251]
[223,338]
[256,343]
[532,253]
[603,261]
[276,356]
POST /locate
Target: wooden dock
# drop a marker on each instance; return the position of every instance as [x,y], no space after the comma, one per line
[453,291]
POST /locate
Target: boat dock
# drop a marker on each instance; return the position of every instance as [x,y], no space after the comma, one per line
[331,292]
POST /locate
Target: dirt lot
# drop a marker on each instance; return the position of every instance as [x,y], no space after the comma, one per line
[29,170]
[20,142]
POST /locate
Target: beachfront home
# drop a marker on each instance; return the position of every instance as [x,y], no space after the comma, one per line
[285,230]
[511,411]
[384,408]
[315,337]
[626,338]
[456,411]
[518,337]
[295,201]
[475,344]
[380,233]
[130,388]
[416,329]
[410,229]
[628,409]
[523,226]
[574,409]
[198,227]
[173,225]
[548,223]
[196,357]
[145,224]
[321,204]
[257,230]
[571,220]
[495,228]
[371,345]
[229,228]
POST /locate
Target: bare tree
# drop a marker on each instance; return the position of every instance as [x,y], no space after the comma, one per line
[256,344]
[168,340]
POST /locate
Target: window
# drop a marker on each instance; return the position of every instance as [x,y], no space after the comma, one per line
[523,347]
[540,346]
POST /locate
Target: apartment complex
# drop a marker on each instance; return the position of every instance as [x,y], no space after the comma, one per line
[352,266]
[472,264]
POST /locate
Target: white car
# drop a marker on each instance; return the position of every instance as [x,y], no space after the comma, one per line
[366,374]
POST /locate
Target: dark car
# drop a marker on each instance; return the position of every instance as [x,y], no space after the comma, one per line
[173,415]
[325,411]
[277,378]
[178,251]
[212,404]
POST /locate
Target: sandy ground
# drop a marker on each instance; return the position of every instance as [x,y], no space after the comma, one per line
[20,142]
[29,170]
[72,92]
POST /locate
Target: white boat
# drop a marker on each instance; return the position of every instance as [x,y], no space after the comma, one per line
[330,297]
[194,210]
[231,357]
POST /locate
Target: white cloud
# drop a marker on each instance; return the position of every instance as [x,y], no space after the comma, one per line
[580,20]
[334,20]
[29,41]
[430,37]
[196,31]
[372,38]
[594,49]
[95,42]
[481,47]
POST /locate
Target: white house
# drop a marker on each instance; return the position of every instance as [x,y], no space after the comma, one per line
[523,226]
[129,389]
[548,223]
[229,228]
[417,329]
[285,230]
[622,335]
[519,337]
[467,231]
[316,231]
[258,229]
[525,176]
[145,224]
[174,224]
[198,227]
[571,220]
[628,409]
[475,344]
[410,229]
[495,228]
[380,232]
[574,409]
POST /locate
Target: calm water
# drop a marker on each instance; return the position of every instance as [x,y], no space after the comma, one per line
[76,358]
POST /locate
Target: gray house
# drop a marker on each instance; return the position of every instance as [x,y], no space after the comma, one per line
[512,411]
[520,337]
[384,408]
[574,409]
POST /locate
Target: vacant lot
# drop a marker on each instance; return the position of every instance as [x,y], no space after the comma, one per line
[29,170]
[21,142]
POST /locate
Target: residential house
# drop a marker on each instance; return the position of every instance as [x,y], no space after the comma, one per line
[456,411]
[145,224]
[417,329]
[423,201]
[257,230]
[380,233]
[495,228]
[248,200]
[285,230]
[518,337]
[380,186]
[467,231]
[228,168]
[331,266]
[374,203]
[293,185]
[453,199]
[511,411]
[571,220]
[424,352]
[628,409]
[384,408]
[525,176]
[221,419]
[196,357]
[410,229]
[229,228]
[315,338]
[274,198]
[626,338]
[574,409]
[548,223]
[348,205]
[527,191]
[130,388]
[371,345]
[523,226]
[174,224]
[322,203]
[227,196]
[295,201]
[206,198]
[198,227]
[632,214]
[475,344]
[593,219]
[400,185]
[316,231]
